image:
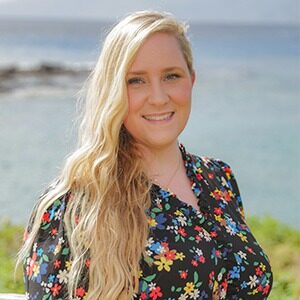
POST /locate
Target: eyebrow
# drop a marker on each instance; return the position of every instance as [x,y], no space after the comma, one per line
[141,72]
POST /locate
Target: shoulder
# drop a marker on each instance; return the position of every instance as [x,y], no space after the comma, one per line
[212,164]
[51,221]
[57,209]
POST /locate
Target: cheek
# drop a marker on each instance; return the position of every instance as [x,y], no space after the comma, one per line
[182,96]
[133,114]
[135,100]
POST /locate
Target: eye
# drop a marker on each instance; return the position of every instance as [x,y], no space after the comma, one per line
[172,76]
[135,80]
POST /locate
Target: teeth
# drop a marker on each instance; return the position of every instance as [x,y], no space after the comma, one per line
[158,117]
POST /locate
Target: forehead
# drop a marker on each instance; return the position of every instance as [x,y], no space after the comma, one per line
[160,49]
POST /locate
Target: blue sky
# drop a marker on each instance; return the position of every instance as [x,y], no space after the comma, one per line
[229,11]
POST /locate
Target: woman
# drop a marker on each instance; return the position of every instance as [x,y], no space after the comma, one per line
[132,214]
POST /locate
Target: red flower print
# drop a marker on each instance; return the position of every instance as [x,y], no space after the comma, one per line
[183,274]
[224,285]
[211,175]
[194,263]
[250,249]
[155,293]
[266,289]
[181,231]
[211,277]
[143,296]
[260,288]
[202,259]
[227,170]
[218,210]
[199,176]
[54,231]
[197,228]
[216,194]
[57,264]
[258,271]
[55,289]
[80,292]
[165,245]
[226,196]
[170,255]
[46,217]
[213,234]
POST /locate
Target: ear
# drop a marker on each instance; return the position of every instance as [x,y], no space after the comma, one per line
[193,76]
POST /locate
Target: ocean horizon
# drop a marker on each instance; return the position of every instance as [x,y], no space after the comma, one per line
[246,107]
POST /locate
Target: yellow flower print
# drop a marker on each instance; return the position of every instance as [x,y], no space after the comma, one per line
[218,218]
[189,287]
[180,256]
[140,274]
[178,213]
[215,287]
[57,249]
[68,265]
[164,264]
[262,266]
[152,222]
[242,237]
[36,269]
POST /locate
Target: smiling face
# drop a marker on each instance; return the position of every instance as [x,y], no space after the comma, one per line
[159,87]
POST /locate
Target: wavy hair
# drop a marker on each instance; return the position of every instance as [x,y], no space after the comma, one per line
[106,219]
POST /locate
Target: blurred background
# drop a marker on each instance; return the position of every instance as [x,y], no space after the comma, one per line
[246,102]
[246,107]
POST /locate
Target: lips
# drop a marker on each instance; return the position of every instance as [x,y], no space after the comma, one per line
[159,117]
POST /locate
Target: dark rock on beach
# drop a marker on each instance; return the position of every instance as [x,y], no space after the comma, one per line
[15,77]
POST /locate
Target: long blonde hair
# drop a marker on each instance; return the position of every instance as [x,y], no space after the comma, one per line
[106,219]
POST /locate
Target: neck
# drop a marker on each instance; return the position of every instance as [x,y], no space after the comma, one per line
[161,162]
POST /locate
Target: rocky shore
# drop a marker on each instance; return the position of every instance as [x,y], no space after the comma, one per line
[45,74]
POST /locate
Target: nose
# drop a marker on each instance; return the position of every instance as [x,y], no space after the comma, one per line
[158,94]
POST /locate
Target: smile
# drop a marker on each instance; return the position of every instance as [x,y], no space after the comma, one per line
[159,117]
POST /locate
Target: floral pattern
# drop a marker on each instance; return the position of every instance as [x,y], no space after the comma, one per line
[208,253]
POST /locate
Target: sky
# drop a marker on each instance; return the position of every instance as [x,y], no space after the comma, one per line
[216,11]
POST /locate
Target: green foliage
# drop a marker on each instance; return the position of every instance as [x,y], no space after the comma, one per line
[10,241]
[282,245]
[280,242]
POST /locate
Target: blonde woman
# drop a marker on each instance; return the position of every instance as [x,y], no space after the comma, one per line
[133,215]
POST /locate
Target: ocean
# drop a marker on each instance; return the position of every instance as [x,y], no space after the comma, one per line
[246,108]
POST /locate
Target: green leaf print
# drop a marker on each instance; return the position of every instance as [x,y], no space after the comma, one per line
[196,277]
[65,251]
[45,258]
[149,278]
[167,206]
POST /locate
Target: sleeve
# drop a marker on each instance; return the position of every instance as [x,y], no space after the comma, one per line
[46,266]
[231,183]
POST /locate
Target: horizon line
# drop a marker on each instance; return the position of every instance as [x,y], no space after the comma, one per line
[113,20]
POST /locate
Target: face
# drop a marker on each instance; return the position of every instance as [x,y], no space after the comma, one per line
[159,87]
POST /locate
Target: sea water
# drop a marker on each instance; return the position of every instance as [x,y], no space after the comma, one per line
[246,108]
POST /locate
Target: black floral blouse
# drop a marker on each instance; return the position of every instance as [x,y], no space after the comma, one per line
[191,254]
